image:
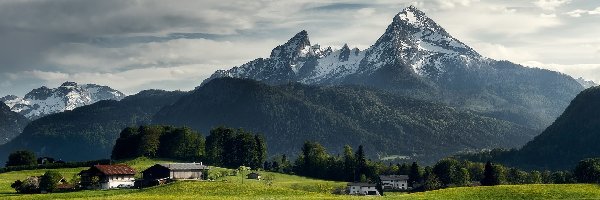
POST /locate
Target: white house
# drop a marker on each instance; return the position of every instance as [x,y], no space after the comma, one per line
[108,177]
[362,189]
[394,182]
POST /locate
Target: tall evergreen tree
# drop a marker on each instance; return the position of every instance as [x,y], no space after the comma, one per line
[490,175]
[261,149]
[349,163]
[361,163]
[415,175]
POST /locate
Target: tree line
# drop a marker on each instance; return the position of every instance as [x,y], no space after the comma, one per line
[226,147]
[314,161]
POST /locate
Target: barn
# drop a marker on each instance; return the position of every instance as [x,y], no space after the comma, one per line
[176,171]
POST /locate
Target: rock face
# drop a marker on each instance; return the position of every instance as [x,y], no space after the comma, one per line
[44,101]
[416,57]
[11,124]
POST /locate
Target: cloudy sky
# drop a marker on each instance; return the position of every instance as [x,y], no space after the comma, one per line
[133,45]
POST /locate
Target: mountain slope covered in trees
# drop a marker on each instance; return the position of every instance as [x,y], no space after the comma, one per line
[290,114]
[11,123]
[573,137]
[88,132]
[418,58]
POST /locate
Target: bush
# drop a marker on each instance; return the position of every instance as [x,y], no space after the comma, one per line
[31,185]
[50,181]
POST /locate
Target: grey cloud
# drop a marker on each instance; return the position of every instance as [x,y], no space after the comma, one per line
[111,39]
[340,6]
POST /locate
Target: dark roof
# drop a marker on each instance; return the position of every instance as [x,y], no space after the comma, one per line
[393,177]
[183,166]
[362,184]
[115,169]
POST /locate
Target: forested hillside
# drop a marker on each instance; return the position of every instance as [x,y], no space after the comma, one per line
[88,132]
[574,136]
[290,114]
[11,123]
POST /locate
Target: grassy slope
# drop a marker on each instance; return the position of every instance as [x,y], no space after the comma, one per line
[288,187]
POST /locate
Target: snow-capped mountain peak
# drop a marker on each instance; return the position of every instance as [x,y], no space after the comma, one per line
[68,96]
[412,41]
[297,46]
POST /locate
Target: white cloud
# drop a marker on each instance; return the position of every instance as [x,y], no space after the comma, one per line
[580,12]
[586,71]
[551,4]
[501,52]
[450,4]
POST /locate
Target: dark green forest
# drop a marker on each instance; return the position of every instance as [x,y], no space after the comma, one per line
[574,136]
[225,147]
[334,116]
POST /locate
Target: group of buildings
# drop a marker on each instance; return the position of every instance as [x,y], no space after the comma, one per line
[123,176]
[388,182]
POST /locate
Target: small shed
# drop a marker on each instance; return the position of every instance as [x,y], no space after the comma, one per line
[254,175]
[175,171]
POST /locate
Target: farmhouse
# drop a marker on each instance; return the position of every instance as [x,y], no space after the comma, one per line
[175,171]
[254,175]
[394,182]
[362,189]
[107,177]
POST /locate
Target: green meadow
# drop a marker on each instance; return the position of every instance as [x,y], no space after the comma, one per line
[284,186]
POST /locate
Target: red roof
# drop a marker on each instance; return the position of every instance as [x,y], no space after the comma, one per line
[115,169]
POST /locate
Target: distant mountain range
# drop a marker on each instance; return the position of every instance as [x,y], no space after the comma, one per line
[11,123]
[44,101]
[88,132]
[416,57]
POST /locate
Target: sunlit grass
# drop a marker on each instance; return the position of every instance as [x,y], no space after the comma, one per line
[286,186]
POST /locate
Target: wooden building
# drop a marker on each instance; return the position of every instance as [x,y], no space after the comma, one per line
[254,175]
[107,177]
[175,171]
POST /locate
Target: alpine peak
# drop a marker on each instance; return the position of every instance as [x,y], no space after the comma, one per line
[293,47]
[68,83]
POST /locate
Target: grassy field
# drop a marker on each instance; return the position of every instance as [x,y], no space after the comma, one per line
[287,187]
